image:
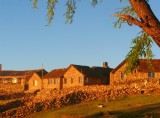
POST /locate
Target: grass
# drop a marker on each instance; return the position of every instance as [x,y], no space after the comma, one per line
[132,106]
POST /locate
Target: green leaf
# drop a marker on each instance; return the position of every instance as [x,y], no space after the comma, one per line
[141,49]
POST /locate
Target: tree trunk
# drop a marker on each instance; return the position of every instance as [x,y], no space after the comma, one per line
[147,20]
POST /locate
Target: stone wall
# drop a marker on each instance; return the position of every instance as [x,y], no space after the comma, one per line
[49,99]
[10,88]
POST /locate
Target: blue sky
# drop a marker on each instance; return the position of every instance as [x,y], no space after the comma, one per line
[26,42]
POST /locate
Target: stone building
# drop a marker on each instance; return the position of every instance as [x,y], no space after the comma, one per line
[74,75]
[77,75]
[103,72]
[144,72]
[28,79]
[35,81]
[54,79]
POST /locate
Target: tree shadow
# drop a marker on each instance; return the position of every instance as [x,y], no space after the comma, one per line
[146,111]
[97,115]
[10,105]
[12,96]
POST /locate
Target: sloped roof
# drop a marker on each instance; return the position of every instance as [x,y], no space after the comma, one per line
[41,72]
[11,73]
[143,65]
[57,73]
[121,64]
[27,73]
[85,70]
[102,72]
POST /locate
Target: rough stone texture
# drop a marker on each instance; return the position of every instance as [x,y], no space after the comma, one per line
[116,79]
[10,88]
[46,84]
[74,74]
[51,98]
[31,85]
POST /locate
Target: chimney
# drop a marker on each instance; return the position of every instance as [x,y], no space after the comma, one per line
[105,65]
[0,67]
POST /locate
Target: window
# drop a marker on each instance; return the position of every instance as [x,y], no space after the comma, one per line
[14,80]
[5,80]
[122,75]
[86,80]
[1,80]
[56,80]
[80,79]
[65,81]
[50,81]
[72,80]
[151,75]
[35,82]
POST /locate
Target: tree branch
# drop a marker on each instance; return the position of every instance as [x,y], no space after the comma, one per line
[144,12]
[130,19]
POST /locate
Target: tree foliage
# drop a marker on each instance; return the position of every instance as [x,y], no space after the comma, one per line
[138,13]
[70,8]
[141,45]
[141,49]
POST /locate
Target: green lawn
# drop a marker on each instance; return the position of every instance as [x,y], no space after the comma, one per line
[126,107]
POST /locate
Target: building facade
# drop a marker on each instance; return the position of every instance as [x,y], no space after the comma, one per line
[28,79]
[76,75]
[54,79]
[144,72]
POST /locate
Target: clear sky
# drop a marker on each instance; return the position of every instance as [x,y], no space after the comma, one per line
[26,42]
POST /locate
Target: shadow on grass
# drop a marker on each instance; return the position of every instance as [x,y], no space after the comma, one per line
[12,96]
[147,111]
[98,115]
[10,105]
[152,110]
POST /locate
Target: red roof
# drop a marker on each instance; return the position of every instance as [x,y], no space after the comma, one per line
[27,73]
[155,63]
[143,65]
[57,73]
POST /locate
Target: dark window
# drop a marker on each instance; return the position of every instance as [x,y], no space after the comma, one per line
[151,75]
[122,75]
[50,81]
[65,81]
[56,80]
[86,80]
[72,80]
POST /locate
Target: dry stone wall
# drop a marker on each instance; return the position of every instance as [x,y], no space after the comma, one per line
[49,99]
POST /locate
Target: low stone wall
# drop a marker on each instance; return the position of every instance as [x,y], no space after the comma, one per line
[8,89]
[49,99]
[149,82]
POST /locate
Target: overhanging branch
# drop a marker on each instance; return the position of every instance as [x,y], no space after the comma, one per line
[130,19]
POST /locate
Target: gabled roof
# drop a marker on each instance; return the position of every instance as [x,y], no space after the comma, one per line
[143,65]
[11,73]
[27,73]
[85,70]
[57,73]
[102,72]
[121,64]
